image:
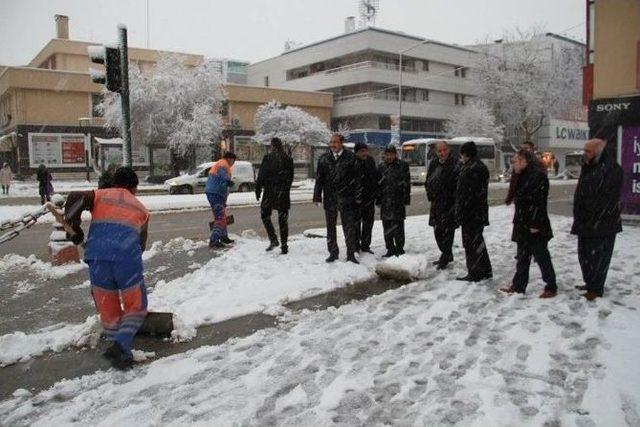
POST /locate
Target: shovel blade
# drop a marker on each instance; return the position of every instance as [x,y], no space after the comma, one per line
[157,324]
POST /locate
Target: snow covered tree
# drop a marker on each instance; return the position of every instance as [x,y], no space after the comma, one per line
[525,78]
[172,105]
[290,124]
[475,119]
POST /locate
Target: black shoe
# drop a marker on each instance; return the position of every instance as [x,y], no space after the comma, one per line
[367,250]
[436,262]
[482,277]
[352,258]
[216,245]
[284,249]
[389,254]
[331,258]
[227,241]
[467,278]
[400,252]
[581,288]
[442,265]
[118,358]
[272,245]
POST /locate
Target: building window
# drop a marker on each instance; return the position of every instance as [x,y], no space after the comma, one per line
[425,65]
[460,72]
[460,99]
[96,100]
[266,81]
[425,95]
[457,99]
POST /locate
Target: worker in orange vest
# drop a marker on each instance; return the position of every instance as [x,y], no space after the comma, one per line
[113,251]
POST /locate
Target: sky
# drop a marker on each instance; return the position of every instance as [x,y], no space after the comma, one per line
[254,30]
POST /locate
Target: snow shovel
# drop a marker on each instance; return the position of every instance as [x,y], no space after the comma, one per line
[155,323]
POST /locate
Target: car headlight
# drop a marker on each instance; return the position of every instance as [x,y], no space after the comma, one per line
[423,173]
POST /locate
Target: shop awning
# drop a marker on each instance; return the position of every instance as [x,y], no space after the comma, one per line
[7,142]
[108,141]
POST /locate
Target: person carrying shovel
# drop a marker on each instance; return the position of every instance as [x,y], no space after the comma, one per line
[113,251]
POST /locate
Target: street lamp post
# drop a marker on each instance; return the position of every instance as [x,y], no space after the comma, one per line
[85,122]
[401,53]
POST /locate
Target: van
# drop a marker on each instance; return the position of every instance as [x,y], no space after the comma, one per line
[243,177]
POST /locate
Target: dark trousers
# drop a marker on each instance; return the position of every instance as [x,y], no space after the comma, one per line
[594,254]
[44,197]
[5,189]
[364,217]
[283,225]
[394,235]
[444,238]
[539,250]
[475,250]
[348,227]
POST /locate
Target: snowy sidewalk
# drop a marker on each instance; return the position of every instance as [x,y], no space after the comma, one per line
[434,352]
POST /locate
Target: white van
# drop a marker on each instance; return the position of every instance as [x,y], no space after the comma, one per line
[243,177]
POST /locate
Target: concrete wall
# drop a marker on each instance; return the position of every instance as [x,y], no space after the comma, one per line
[617,34]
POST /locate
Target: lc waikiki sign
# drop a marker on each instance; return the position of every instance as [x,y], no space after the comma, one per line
[629,157]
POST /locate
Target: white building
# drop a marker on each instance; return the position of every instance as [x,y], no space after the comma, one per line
[361,69]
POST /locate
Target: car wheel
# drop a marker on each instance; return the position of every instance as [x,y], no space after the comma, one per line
[172,190]
[244,188]
[185,189]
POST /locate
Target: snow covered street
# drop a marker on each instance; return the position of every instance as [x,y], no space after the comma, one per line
[433,352]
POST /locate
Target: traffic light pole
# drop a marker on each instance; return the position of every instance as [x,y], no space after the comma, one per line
[124,96]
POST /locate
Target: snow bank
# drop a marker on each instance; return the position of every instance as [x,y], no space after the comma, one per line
[30,188]
[43,269]
[434,352]
[20,347]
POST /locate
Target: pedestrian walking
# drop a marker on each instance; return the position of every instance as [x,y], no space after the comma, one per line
[530,147]
[106,178]
[45,185]
[335,188]
[217,191]
[365,211]
[531,225]
[556,167]
[442,178]
[5,178]
[113,252]
[275,177]
[596,215]
[394,193]
[472,212]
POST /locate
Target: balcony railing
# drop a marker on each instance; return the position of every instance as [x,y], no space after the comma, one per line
[360,66]
[389,95]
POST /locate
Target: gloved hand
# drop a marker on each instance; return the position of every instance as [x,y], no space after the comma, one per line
[77,238]
[230,183]
[257,195]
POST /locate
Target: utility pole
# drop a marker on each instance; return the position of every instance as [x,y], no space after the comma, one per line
[124,95]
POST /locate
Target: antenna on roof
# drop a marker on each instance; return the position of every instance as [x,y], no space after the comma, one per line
[368,10]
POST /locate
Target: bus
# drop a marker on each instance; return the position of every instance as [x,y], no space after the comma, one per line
[419,152]
[573,164]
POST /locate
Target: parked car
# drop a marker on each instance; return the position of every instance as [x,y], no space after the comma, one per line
[244,179]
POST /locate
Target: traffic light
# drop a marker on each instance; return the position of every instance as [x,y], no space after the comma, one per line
[110,58]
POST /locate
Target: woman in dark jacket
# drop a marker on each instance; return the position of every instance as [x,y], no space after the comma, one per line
[531,225]
[45,188]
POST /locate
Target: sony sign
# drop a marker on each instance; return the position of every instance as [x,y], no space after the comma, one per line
[614,106]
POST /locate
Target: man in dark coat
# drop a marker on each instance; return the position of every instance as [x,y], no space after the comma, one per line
[336,187]
[45,187]
[530,147]
[106,178]
[596,215]
[442,177]
[472,212]
[394,193]
[275,177]
[367,174]
[531,225]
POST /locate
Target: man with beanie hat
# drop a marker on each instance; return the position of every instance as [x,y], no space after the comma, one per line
[275,177]
[367,174]
[394,193]
[472,212]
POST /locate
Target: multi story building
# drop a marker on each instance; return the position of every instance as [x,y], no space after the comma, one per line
[362,70]
[612,87]
[48,108]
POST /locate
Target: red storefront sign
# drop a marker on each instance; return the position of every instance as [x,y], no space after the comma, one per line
[73,150]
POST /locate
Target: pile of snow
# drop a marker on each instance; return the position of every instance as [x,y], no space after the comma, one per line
[20,347]
[43,269]
[30,188]
[434,352]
